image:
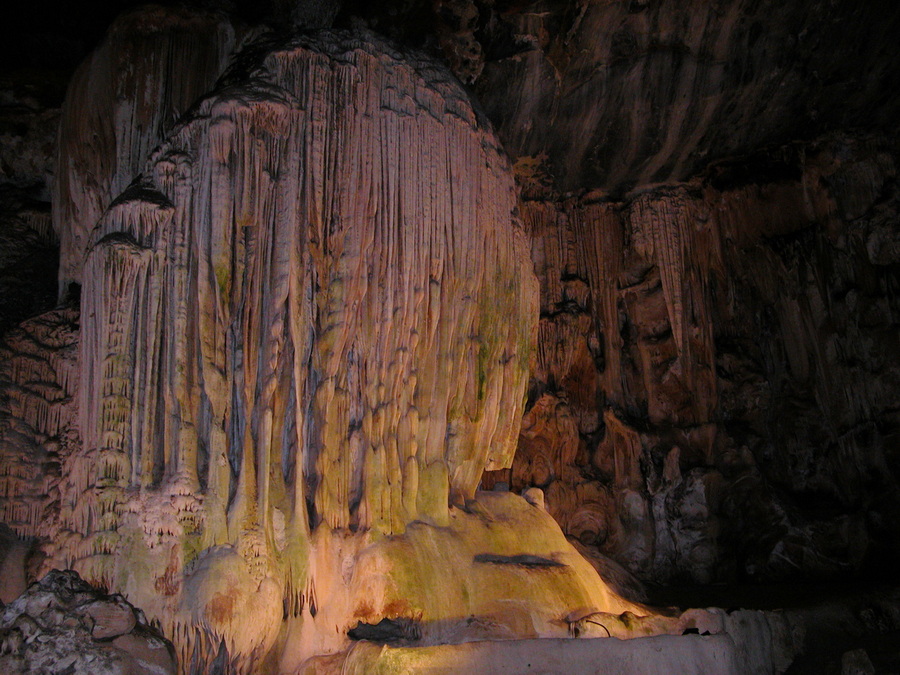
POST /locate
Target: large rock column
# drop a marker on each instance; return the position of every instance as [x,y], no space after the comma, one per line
[316,293]
[307,326]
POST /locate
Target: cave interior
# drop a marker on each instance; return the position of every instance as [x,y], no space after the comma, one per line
[450,336]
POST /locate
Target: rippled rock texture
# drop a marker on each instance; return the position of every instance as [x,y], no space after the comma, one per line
[121,102]
[305,327]
[717,367]
[301,320]
[617,95]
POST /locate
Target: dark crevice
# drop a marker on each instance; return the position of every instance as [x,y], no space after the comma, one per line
[388,631]
[522,560]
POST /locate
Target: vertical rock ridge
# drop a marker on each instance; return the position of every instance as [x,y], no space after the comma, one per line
[38,383]
[646,319]
[152,66]
[314,309]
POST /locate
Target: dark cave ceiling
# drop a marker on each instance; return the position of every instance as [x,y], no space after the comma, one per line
[598,95]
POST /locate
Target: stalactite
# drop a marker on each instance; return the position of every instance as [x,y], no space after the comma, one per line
[38,378]
[150,69]
[316,296]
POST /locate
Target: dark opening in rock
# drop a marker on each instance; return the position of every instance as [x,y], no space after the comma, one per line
[523,560]
[387,630]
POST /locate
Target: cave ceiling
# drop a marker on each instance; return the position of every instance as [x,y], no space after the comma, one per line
[599,95]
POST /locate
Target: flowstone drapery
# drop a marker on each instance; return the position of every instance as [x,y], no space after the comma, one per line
[306,326]
[121,103]
[316,292]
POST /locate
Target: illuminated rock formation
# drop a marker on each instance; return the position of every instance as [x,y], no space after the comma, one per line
[301,323]
[308,326]
[304,269]
[152,66]
[38,411]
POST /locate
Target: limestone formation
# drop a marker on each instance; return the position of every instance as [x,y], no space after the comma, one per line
[152,66]
[656,312]
[38,382]
[273,228]
[319,333]
[306,326]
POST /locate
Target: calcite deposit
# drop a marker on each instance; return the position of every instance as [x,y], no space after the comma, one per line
[693,362]
[245,298]
[343,379]
[121,102]
[306,326]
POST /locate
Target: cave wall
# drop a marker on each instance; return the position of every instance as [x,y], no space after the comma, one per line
[621,95]
[703,189]
[717,367]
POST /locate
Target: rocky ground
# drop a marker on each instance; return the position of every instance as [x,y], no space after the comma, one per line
[63,625]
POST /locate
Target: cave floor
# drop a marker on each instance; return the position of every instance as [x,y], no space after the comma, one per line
[839,619]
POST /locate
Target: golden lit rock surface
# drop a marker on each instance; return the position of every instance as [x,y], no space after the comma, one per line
[311,317]
[272,228]
[500,569]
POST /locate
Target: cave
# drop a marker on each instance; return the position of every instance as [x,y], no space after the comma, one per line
[459,336]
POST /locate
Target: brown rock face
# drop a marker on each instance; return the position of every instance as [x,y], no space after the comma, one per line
[318,307]
[747,406]
[619,95]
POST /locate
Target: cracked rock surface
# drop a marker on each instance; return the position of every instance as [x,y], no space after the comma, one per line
[62,624]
